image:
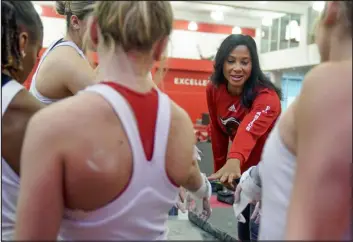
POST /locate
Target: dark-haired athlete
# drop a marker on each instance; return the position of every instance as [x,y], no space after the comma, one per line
[21,41]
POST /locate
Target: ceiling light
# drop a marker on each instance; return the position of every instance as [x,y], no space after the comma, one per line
[193,26]
[38,8]
[217,15]
[236,30]
[319,6]
[267,21]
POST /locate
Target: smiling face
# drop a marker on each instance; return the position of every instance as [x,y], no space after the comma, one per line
[237,68]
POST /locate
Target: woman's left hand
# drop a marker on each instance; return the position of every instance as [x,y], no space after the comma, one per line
[229,172]
[256,213]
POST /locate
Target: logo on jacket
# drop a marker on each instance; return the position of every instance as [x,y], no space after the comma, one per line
[231,125]
[232,108]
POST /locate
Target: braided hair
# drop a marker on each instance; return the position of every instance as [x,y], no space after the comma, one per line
[10,46]
[17,16]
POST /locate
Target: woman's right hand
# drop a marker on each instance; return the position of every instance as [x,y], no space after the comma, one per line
[201,207]
[187,202]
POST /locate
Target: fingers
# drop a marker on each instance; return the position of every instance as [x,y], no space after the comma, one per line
[206,213]
[237,194]
[231,178]
[181,207]
[182,195]
[257,220]
[224,177]
[256,212]
[214,176]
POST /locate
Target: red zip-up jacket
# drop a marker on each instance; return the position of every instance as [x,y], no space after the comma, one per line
[246,128]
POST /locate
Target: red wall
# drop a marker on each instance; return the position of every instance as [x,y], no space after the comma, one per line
[185,83]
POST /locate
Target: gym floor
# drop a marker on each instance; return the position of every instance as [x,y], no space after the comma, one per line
[180,228]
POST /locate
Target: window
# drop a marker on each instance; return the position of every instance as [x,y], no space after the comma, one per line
[274,35]
[283,33]
[265,35]
[283,42]
[294,30]
[313,17]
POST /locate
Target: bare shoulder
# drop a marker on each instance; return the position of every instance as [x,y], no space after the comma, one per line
[329,82]
[71,116]
[64,61]
[326,100]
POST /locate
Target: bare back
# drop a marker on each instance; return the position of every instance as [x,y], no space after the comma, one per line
[102,158]
[98,160]
[14,124]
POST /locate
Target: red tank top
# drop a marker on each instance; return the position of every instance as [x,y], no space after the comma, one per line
[146,120]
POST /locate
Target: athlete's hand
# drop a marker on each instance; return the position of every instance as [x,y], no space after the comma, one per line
[181,200]
[256,213]
[201,207]
[229,172]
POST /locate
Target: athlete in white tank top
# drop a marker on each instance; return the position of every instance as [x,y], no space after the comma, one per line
[277,173]
[127,217]
[10,182]
[99,166]
[54,45]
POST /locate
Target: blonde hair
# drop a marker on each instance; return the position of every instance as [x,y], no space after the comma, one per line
[346,14]
[132,25]
[69,8]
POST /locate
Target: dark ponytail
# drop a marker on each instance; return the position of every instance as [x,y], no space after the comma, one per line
[10,48]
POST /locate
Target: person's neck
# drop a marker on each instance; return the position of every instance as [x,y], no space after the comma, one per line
[341,50]
[131,72]
[234,91]
[74,38]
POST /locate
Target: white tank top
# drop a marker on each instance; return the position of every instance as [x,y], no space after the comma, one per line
[54,45]
[277,175]
[141,211]
[10,182]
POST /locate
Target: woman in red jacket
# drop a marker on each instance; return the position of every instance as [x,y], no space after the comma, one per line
[244,106]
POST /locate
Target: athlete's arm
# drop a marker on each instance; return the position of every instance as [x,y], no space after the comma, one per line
[82,75]
[73,73]
[41,202]
[219,139]
[181,164]
[321,203]
[264,112]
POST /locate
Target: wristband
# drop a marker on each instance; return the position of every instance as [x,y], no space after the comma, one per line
[205,191]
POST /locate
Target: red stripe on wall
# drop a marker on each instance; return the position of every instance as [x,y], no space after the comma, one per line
[48,11]
[212,28]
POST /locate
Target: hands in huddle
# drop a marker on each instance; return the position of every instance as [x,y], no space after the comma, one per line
[187,202]
[248,190]
[257,211]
